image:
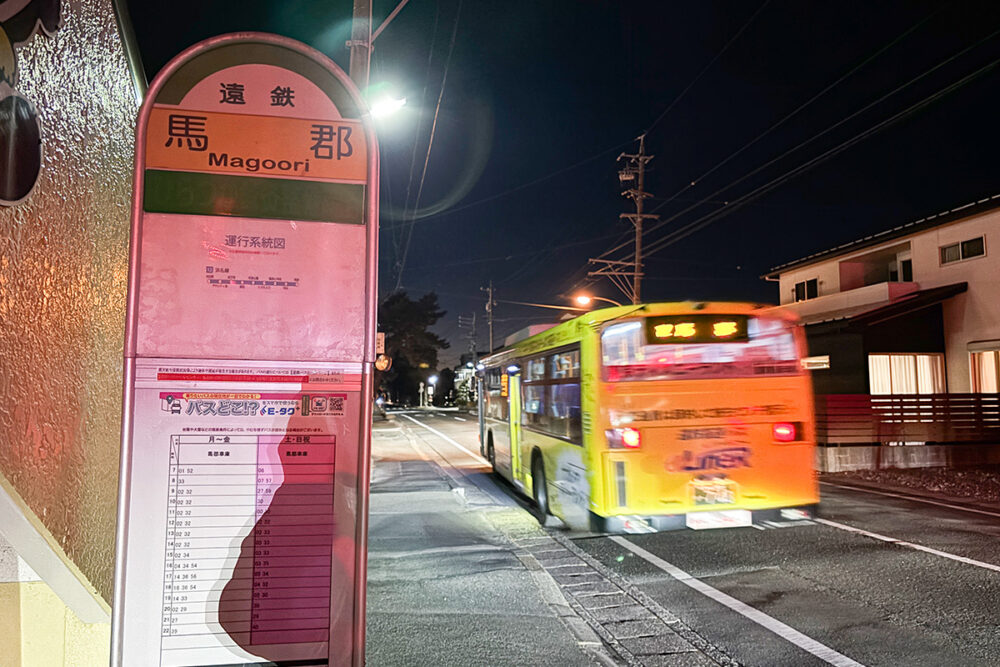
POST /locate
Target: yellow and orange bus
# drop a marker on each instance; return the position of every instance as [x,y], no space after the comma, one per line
[654,417]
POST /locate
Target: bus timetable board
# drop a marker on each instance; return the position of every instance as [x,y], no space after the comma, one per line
[249,340]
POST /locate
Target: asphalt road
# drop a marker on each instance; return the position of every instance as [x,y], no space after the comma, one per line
[876,580]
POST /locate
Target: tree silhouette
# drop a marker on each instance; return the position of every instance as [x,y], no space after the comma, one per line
[409,342]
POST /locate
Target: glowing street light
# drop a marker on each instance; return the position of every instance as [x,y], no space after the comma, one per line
[586,299]
[386,106]
[432,380]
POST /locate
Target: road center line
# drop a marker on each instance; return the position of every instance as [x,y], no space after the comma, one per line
[911,545]
[788,633]
[913,498]
[459,419]
[446,439]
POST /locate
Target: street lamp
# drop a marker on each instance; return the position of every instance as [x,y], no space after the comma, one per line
[586,299]
[431,381]
[385,106]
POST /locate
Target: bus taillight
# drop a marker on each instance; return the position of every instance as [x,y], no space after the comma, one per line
[623,438]
[785,432]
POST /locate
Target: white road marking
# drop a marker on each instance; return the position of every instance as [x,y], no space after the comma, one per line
[449,550]
[911,545]
[447,439]
[913,498]
[459,419]
[788,633]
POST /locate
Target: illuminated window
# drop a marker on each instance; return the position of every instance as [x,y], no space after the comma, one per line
[986,371]
[906,374]
[807,289]
[965,250]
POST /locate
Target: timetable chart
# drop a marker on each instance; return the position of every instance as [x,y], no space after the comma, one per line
[249,537]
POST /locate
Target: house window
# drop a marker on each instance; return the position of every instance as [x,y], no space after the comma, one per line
[807,289]
[986,371]
[965,250]
[906,374]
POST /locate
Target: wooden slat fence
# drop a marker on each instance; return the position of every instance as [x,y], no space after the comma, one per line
[844,419]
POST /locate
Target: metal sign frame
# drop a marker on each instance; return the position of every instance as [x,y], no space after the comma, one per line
[367,355]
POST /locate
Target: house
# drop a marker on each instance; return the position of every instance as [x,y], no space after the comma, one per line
[913,311]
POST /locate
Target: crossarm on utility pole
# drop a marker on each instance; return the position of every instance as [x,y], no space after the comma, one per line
[388,20]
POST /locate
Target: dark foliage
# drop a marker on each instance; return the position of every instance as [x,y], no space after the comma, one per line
[409,341]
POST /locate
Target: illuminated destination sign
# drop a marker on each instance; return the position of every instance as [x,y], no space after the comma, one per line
[696,329]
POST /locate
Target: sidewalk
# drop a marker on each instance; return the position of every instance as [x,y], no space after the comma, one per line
[445,587]
[460,577]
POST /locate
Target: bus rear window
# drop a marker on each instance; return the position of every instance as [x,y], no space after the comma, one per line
[768,351]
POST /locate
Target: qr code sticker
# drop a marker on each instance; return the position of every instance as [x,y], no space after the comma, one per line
[326,405]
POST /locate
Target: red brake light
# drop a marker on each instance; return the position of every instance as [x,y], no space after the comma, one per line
[785,432]
[623,438]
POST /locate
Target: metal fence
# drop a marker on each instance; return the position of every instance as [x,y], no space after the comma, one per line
[844,419]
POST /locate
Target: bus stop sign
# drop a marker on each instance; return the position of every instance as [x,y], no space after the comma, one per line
[249,341]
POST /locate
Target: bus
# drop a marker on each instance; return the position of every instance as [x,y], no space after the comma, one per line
[653,417]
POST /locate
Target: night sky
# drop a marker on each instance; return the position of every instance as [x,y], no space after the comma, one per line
[540,97]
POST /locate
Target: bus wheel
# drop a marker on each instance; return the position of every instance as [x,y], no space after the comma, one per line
[539,489]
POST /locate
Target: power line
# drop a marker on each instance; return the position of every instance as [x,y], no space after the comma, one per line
[797,110]
[706,220]
[812,139]
[397,239]
[518,188]
[437,109]
[707,67]
[508,257]
[596,156]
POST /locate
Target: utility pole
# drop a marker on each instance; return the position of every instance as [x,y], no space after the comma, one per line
[633,173]
[490,302]
[470,324]
[362,39]
[361,43]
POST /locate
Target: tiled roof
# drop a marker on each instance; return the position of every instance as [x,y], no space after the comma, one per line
[931,221]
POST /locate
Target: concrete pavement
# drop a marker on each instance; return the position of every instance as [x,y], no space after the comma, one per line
[445,586]
[461,574]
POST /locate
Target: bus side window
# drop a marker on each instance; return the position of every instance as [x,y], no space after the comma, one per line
[564,400]
[533,408]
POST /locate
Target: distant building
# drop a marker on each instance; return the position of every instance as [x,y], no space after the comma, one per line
[911,310]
